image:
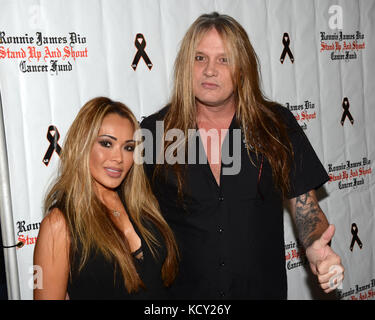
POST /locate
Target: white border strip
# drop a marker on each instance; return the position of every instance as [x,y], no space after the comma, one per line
[6,218]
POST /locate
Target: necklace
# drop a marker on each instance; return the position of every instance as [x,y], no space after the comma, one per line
[116,213]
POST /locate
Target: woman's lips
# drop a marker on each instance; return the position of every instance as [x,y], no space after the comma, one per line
[113,172]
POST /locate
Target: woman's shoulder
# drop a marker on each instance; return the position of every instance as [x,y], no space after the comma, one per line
[54,226]
[54,219]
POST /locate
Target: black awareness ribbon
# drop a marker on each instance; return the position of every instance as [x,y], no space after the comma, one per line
[140,44]
[53,146]
[286,51]
[355,238]
[346,113]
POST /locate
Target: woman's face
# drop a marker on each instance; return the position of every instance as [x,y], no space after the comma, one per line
[112,153]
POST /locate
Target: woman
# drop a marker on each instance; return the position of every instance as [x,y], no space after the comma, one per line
[103,236]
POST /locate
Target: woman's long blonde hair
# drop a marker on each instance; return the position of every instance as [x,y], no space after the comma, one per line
[87,218]
[257,116]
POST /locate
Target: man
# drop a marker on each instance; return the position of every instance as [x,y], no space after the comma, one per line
[229,223]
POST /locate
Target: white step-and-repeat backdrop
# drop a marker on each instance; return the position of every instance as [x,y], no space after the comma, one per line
[317,59]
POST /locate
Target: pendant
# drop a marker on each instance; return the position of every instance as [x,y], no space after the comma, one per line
[116,213]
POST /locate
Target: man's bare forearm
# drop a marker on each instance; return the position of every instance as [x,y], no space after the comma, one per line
[309,218]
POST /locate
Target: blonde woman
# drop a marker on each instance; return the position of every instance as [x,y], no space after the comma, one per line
[103,236]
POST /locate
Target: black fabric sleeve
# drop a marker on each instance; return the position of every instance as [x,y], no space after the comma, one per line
[149,123]
[307,172]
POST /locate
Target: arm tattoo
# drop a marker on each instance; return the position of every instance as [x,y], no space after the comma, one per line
[307,218]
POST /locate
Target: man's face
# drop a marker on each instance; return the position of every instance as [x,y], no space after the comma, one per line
[212,80]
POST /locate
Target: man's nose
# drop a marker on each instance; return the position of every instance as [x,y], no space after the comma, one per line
[210,70]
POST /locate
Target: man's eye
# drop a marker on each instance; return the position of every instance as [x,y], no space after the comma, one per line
[199,58]
[224,60]
[105,143]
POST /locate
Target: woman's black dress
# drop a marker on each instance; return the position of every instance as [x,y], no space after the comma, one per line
[99,279]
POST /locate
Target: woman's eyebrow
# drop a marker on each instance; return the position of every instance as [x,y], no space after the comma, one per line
[109,136]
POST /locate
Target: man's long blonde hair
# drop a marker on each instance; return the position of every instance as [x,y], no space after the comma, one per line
[88,223]
[257,116]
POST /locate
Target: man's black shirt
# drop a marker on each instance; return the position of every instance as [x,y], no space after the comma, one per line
[231,237]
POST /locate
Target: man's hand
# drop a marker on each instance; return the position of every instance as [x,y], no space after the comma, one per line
[315,233]
[324,262]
